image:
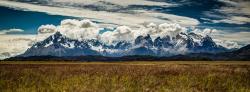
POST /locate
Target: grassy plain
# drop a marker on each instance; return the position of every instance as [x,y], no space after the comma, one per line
[171,76]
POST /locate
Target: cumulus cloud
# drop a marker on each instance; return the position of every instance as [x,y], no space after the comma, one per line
[85,29]
[160,30]
[8,31]
[73,23]
[72,28]
[46,29]
[205,31]
[170,29]
[124,33]
[107,37]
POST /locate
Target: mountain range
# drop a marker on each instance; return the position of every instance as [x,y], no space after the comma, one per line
[191,46]
[183,43]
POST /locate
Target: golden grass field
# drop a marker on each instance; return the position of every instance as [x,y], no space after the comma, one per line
[152,76]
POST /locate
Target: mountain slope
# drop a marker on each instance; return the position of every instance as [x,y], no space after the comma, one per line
[244,51]
[59,45]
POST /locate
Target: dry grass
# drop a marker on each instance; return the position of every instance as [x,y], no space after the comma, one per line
[124,77]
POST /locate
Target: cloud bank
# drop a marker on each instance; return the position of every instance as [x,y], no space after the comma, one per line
[12,45]
[86,29]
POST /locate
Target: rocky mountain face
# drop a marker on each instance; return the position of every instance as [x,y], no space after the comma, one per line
[183,43]
[59,45]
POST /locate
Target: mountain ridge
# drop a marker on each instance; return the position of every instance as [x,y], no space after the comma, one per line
[60,45]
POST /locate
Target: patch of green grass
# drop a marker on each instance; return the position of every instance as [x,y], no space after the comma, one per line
[125,77]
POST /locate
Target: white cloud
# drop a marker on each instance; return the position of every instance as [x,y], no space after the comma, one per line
[12,45]
[72,28]
[236,7]
[233,20]
[108,18]
[45,29]
[117,2]
[229,37]
[124,33]
[205,32]
[234,12]
[227,43]
[85,29]
[10,31]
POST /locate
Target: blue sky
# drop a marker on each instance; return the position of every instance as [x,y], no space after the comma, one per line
[26,20]
[208,13]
